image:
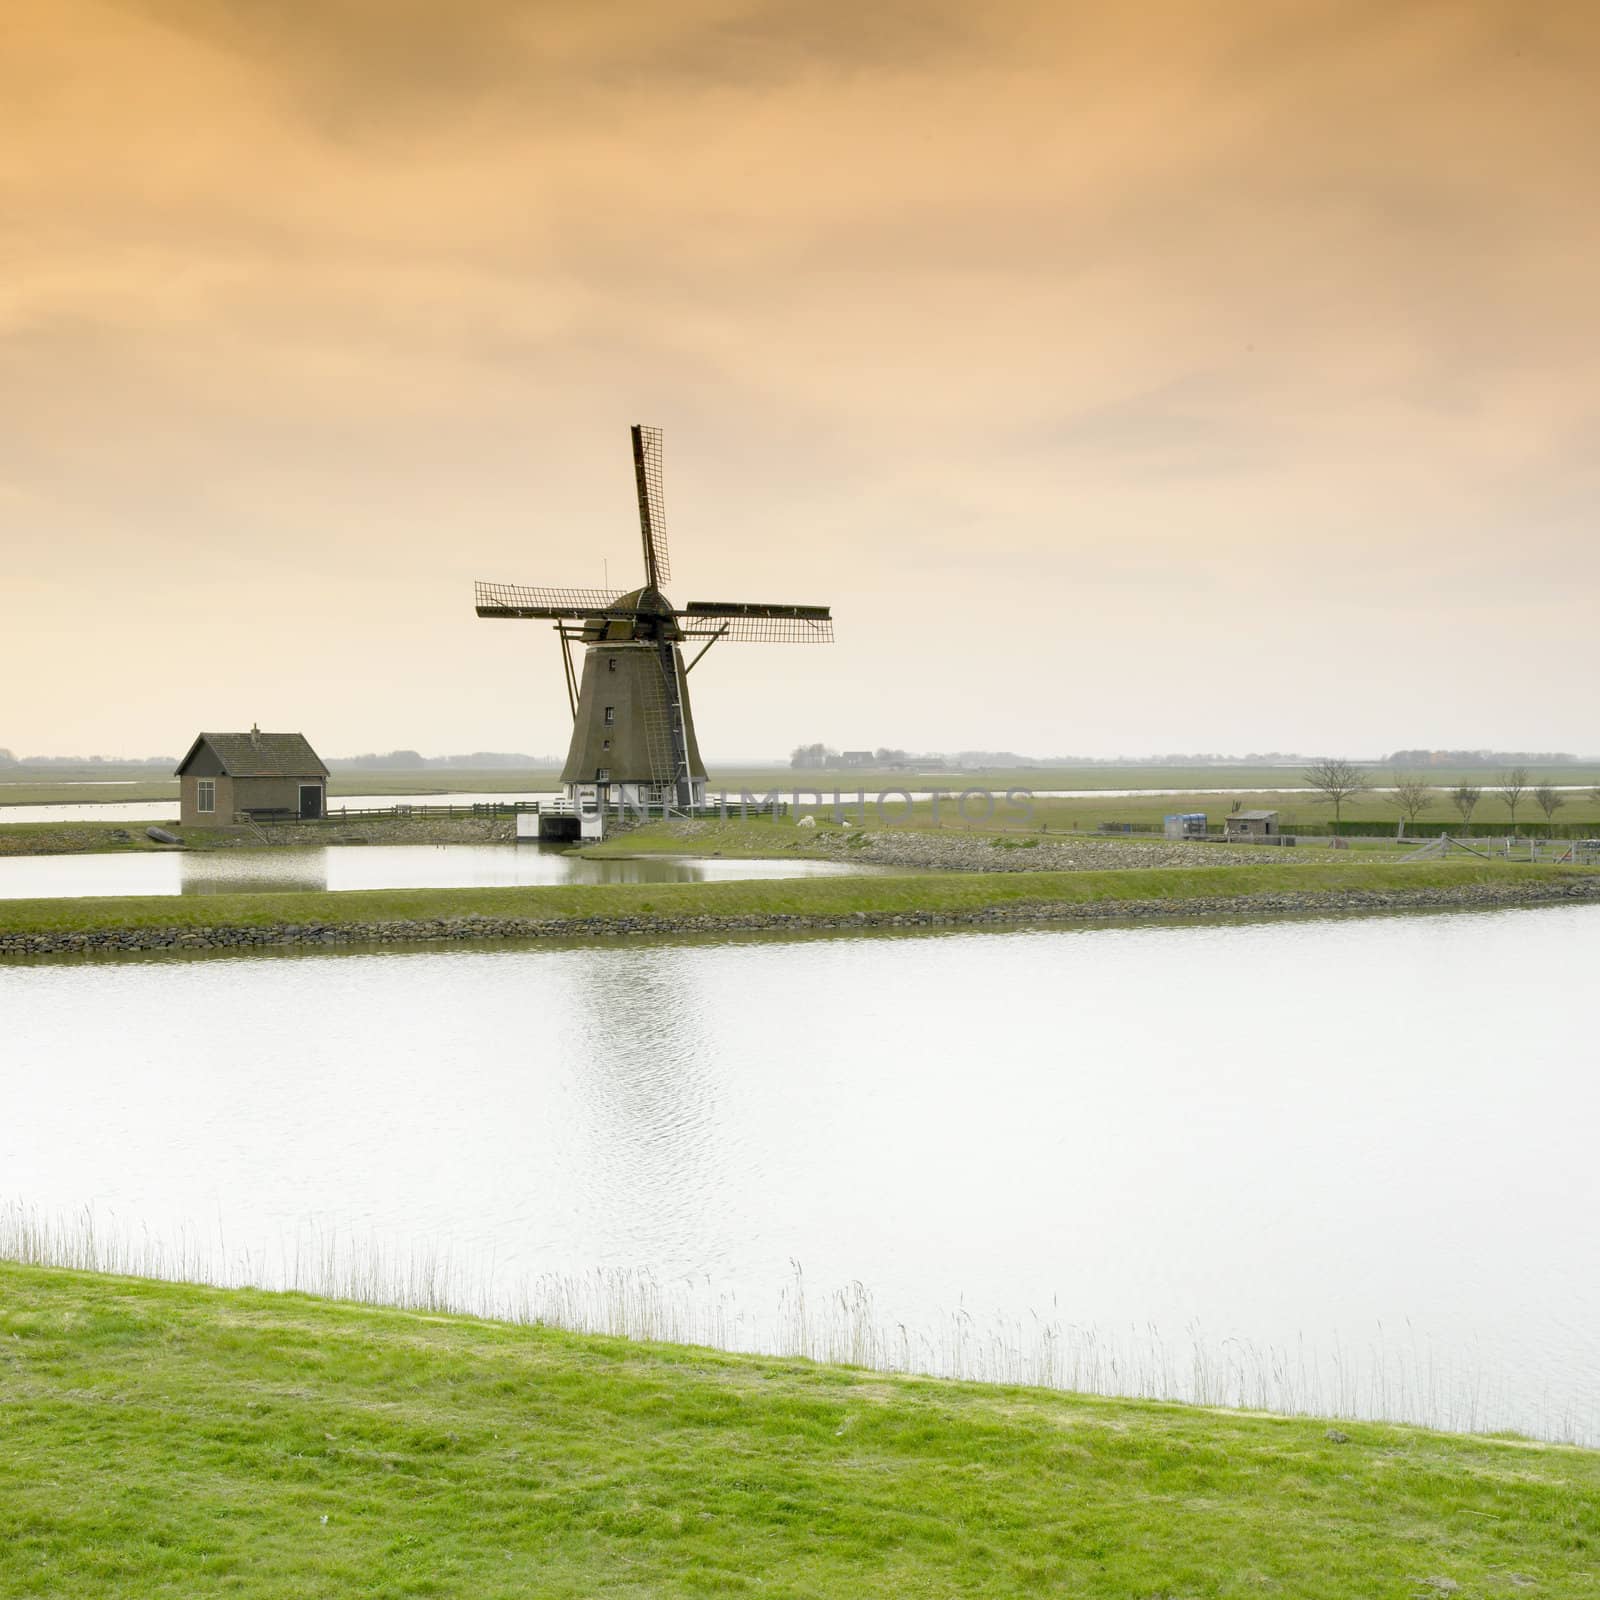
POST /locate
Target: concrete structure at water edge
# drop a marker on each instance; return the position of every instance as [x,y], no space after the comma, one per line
[1252,825]
[229,777]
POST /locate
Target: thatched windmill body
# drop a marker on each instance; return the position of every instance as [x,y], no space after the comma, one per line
[633,738]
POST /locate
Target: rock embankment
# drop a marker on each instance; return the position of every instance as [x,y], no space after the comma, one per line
[391,830]
[448,929]
[84,838]
[72,838]
[949,850]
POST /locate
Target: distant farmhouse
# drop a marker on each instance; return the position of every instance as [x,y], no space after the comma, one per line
[263,775]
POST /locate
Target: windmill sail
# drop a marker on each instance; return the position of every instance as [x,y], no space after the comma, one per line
[521,600]
[752,622]
[652,505]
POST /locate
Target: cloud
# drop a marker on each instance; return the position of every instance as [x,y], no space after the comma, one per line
[922,293]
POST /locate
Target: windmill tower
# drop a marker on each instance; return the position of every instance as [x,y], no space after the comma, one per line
[633,738]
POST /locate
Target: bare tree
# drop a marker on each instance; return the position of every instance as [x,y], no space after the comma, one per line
[1549,800]
[1337,781]
[1411,797]
[1465,799]
[1513,785]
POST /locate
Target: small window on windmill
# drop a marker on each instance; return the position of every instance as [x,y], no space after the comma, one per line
[602,775]
[605,744]
[611,663]
[611,715]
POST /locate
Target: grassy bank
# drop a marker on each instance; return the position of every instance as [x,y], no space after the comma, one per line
[162,1440]
[946,893]
[105,838]
[100,838]
[1298,809]
[1045,816]
[73,838]
[779,838]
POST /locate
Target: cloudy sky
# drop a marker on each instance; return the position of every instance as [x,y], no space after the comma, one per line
[1164,376]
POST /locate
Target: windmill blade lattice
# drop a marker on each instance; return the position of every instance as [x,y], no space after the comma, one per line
[652,505]
[758,624]
[523,600]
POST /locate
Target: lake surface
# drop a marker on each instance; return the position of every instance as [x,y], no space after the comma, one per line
[398,866]
[1348,1163]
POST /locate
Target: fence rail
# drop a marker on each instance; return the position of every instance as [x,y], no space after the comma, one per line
[1415,832]
[556,805]
[502,808]
[1575,852]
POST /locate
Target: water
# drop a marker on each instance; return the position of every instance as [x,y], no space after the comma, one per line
[1366,1144]
[448,866]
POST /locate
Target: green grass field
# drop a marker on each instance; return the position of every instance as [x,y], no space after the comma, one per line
[940,893]
[168,1441]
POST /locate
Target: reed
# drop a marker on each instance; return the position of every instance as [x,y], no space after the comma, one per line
[1392,1377]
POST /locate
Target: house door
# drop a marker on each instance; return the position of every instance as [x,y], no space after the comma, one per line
[310,801]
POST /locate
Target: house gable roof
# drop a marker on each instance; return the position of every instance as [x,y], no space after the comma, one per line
[1253,816]
[259,755]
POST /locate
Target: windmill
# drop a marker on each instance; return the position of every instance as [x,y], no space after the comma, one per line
[633,736]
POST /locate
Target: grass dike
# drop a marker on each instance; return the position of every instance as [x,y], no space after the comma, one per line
[875,900]
[161,1439]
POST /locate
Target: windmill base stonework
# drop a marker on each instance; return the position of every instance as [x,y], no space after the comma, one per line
[633,739]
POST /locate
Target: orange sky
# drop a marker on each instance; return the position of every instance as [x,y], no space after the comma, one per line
[1147,377]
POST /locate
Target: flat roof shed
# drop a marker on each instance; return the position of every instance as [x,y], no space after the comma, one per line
[1252,824]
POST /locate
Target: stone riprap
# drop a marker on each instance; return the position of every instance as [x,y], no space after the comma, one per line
[951,850]
[390,830]
[469,928]
[84,838]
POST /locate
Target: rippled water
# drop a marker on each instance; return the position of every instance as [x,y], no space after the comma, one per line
[448,866]
[1367,1144]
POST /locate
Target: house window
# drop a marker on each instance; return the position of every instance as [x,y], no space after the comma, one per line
[611,715]
[205,794]
[611,663]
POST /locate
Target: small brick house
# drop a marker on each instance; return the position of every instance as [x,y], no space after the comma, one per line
[262,774]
